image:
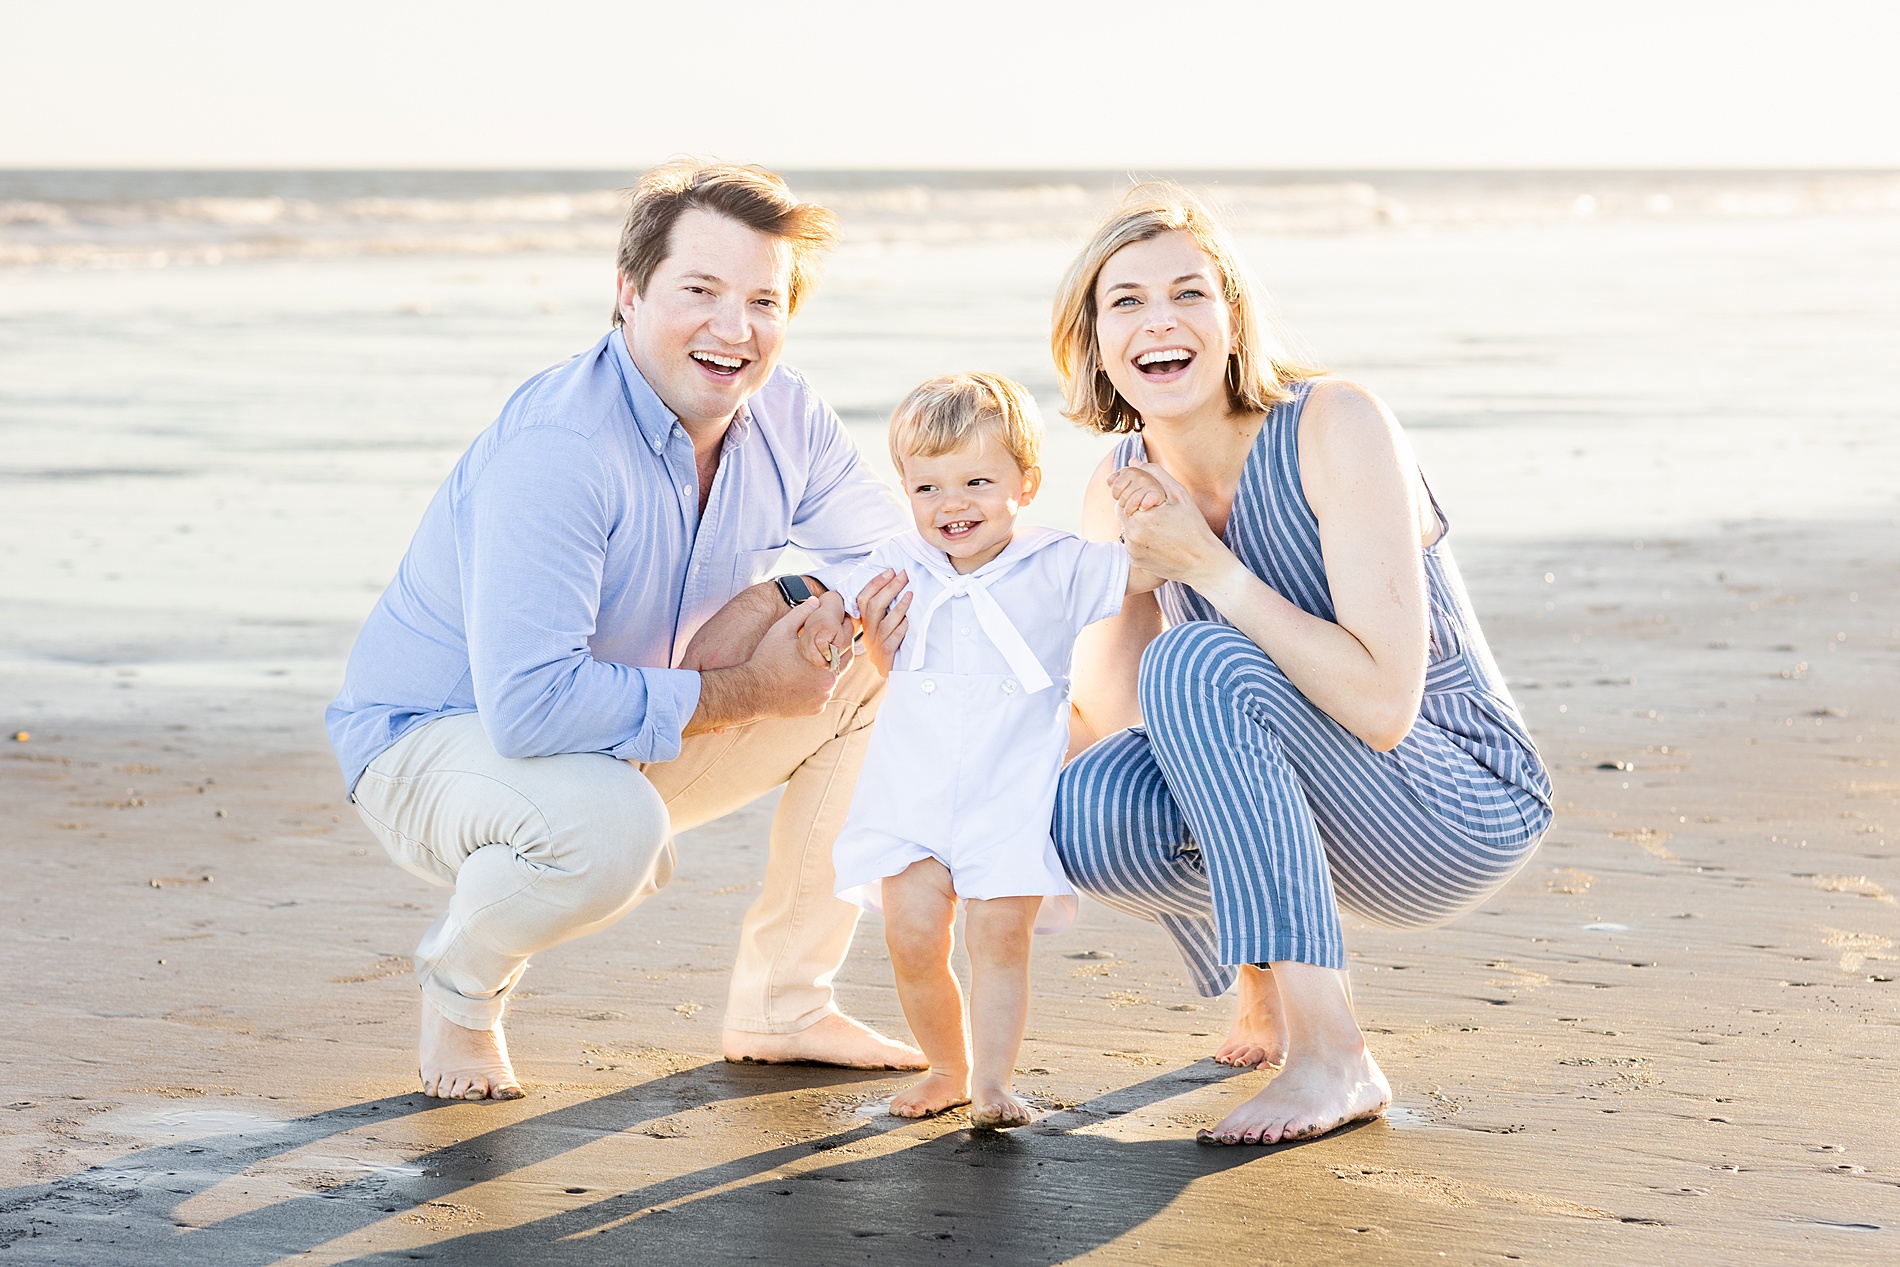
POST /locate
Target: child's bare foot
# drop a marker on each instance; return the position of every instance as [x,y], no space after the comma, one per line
[457,1063]
[1258,1034]
[994,1109]
[1314,1095]
[931,1095]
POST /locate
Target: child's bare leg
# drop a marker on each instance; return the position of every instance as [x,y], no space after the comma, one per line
[997,933]
[920,905]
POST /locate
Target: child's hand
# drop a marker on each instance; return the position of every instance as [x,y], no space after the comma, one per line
[824,640]
[884,608]
[1136,489]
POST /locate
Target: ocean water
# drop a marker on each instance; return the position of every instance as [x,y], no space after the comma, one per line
[226,397]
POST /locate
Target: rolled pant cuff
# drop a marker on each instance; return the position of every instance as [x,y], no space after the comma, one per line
[461,1010]
[759,1025]
[1284,948]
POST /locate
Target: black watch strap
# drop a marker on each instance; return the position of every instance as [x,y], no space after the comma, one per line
[793,589]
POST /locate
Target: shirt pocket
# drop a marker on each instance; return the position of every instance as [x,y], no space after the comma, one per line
[749,567]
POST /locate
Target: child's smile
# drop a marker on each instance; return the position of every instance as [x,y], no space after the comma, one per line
[965,502]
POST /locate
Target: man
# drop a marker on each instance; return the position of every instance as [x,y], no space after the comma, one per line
[555,681]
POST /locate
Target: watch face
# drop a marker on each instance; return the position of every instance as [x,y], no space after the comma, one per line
[793,589]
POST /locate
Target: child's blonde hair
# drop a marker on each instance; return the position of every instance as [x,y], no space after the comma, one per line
[941,415]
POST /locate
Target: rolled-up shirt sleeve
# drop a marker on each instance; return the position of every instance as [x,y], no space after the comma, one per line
[531,536]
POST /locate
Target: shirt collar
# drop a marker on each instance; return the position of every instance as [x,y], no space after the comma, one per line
[1025,541]
[650,413]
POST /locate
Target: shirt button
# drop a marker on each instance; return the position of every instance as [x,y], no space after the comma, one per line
[1009,686]
[686,490]
[965,631]
[927,685]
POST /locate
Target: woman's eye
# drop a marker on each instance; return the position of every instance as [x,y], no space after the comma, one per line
[1125,301]
[1192,294]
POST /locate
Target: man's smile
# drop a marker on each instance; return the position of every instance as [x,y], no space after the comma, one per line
[720,364]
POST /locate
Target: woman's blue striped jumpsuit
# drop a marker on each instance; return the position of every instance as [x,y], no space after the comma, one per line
[1240,817]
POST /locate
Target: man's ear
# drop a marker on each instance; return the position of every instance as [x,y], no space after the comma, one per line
[626,297]
[1032,484]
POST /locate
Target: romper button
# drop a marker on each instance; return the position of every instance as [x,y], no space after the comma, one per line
[928,685]
[1009,686]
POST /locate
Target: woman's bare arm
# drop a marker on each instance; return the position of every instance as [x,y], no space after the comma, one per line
[1108,652]
[1367,671]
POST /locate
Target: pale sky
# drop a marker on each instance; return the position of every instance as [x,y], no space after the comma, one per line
[962,83]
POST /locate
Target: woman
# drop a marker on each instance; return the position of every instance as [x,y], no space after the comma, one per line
[1319,724]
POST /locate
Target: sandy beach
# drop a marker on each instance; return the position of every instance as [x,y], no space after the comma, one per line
[1664,425]
[1664,1041]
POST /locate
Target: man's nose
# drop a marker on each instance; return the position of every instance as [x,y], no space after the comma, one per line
[731,321]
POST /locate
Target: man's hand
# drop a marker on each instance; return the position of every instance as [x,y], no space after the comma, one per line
[886,617]
[777,680]
[731,634]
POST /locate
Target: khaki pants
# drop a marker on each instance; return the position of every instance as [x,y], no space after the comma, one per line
[541,850]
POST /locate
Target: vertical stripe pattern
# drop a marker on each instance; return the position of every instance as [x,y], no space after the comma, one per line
[1241,817]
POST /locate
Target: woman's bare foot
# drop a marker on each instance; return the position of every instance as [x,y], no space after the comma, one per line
[1311,1096]
[931,1095]
[457,1063]
[995,1109]
[1258,1034]
[831,1040]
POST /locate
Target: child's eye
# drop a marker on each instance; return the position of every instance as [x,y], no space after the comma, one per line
[979,481]
[926,488]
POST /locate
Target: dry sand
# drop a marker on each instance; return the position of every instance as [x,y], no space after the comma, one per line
[1671,1038]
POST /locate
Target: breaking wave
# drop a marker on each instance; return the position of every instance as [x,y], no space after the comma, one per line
[153,219]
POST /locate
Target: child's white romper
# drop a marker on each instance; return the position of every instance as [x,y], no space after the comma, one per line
[970,736]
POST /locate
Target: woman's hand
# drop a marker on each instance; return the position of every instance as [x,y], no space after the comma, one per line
[884,610]
[1171,539]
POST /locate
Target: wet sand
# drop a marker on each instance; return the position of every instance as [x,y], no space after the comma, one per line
[1671,1038]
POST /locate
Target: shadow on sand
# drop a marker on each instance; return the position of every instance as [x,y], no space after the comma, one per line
[1041,1195]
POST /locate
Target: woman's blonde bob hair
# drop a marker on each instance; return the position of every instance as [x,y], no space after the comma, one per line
[1258,370]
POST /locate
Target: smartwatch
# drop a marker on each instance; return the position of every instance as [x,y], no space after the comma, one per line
[793,589]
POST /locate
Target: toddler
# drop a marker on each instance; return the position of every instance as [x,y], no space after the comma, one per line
[973,618]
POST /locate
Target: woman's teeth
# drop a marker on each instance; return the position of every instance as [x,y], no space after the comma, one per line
[1163,361]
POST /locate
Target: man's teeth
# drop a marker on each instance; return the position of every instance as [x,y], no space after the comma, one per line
[723,362]
[1166,354]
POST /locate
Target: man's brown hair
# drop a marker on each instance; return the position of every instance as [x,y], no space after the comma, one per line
[755,197]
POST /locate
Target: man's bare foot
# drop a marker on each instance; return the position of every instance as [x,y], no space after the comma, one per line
[1312,1096]
[457,1063]
[1258,1034]
[995,1109]
[832,1040]
[931,1095]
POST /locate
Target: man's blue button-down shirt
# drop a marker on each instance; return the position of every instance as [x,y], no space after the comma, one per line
[561,569]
